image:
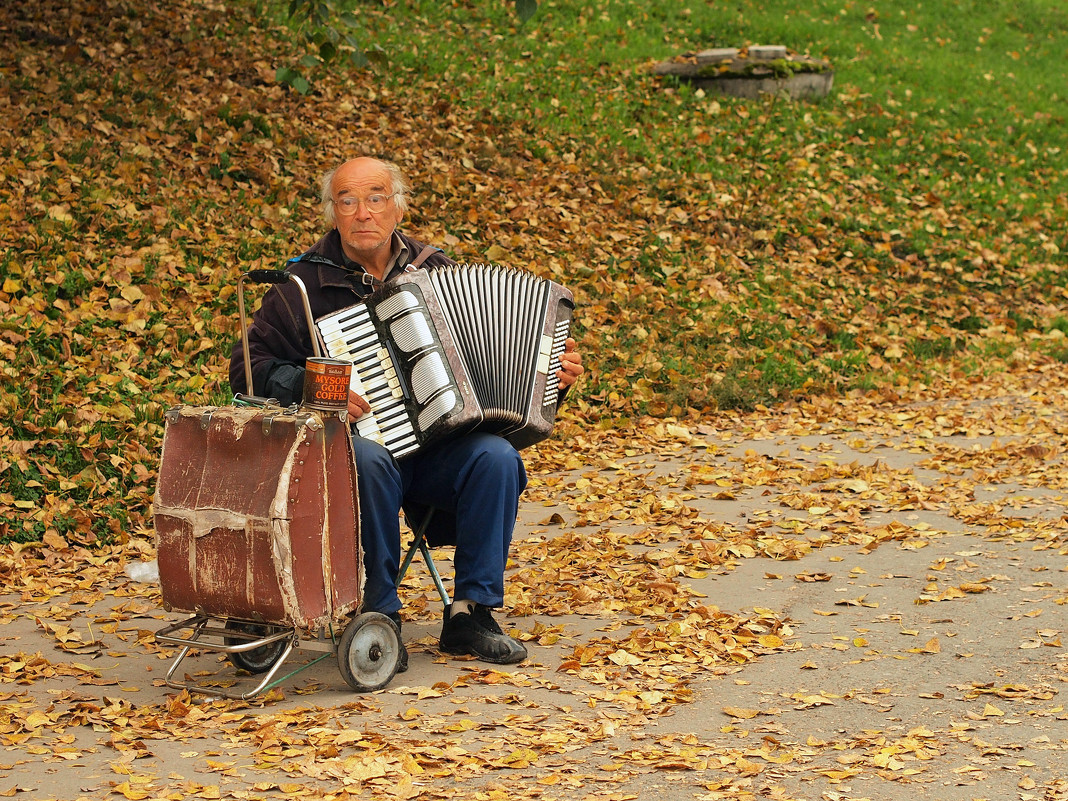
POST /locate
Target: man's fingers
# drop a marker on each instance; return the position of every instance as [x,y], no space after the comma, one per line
[357,406]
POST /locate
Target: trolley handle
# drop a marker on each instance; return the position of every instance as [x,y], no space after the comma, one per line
[268,276]
[271,277]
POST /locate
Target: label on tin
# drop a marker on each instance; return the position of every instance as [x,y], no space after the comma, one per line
[326,384]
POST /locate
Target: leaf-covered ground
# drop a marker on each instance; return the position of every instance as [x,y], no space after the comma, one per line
[861,600]
[723,253]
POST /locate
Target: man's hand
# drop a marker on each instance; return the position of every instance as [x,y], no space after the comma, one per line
[570,364]
[358,407]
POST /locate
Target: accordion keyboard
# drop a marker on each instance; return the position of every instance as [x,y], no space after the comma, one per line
[353,337]
[403,377]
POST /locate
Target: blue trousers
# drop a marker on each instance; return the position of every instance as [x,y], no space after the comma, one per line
[477,479]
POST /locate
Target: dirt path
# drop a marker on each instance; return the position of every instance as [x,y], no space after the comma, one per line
[807,605]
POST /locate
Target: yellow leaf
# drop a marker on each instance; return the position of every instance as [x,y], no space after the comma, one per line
[521,757]
[54,541]
[991,711]
[679,432]
[464,725]
[132,793]
[812,700]
[132,293]
[838,775]
[738,712]
[623,658]
[60,213]
[887,761]
[36,720]
[121,412]
[748,768]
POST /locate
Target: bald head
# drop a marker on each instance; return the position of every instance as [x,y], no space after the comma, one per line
[386,173]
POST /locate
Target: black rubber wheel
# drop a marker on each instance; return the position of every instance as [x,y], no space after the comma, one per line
[369,652]
[258,660]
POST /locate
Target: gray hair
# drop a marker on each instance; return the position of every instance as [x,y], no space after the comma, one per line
[398,187]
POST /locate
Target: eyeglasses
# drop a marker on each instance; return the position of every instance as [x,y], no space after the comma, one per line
[375,204]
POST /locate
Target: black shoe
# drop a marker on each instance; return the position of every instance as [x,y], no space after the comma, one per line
[477,633]
[403,665]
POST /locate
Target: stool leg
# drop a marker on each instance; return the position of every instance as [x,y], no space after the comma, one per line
[424,549]
[419,544]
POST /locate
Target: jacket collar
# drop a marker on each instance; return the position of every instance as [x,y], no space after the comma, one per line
[337,270]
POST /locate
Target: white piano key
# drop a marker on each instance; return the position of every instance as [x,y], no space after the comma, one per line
[367,423]
[356,316]
[398,433]
[356,353]
[392,417]
[362,331]
[382,390]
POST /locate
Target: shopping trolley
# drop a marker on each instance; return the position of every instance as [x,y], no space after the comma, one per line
[256,514]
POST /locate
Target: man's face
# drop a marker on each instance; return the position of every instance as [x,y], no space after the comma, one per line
[364,232]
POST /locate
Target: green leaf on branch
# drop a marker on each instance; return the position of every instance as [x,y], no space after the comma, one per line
[525,9]
[293,79]
[375,55]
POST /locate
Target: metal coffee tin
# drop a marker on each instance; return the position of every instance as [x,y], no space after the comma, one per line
[326,384]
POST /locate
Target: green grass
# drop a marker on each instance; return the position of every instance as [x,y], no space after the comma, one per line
[957,99]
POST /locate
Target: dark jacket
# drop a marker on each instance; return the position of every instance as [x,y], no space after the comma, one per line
[278,338]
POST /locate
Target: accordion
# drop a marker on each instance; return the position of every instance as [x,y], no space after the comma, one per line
[438,353]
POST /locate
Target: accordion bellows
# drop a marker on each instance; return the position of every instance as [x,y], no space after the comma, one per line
[438,353]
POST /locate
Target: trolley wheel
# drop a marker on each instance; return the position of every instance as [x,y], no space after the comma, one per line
[258,660]
[369,652]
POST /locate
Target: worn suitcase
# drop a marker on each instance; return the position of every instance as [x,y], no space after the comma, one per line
[256,514]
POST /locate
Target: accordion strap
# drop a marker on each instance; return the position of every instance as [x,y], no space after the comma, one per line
[424,254]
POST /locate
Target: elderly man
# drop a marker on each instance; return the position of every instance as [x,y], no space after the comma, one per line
[476,479]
